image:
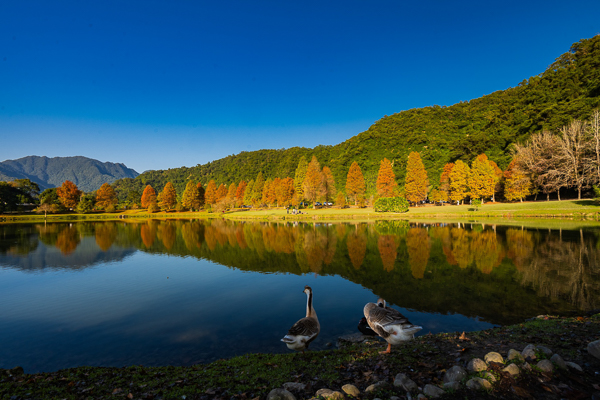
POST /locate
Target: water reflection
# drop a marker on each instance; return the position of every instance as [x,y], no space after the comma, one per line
[501,274]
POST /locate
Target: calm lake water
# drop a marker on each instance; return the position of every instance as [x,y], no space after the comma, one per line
[181,292]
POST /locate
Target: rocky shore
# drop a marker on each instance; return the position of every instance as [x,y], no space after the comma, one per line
[544,358]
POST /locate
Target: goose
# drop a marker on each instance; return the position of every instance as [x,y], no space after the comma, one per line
[388,323]
[306,329]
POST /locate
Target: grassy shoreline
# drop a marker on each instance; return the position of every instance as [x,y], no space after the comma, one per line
[253,376]
[581,210]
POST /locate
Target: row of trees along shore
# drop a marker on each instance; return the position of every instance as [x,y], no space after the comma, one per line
[546,163]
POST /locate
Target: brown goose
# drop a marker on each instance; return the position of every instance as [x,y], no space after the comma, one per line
[305,330]
[388,323]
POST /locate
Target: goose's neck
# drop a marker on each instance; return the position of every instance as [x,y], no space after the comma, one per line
[310,311]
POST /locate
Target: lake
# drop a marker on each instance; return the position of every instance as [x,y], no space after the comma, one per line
[181,292]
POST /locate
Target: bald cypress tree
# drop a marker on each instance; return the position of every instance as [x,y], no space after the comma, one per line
[416,183]
[386,179]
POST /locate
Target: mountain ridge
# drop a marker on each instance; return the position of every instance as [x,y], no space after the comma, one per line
[87,173]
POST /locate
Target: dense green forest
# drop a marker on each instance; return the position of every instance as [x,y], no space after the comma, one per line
[568,89]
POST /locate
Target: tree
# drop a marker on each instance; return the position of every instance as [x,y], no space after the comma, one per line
[299,178]
[259,183]
[459,185]
[239,193]
[86,204]
[517,184]
[312,184]
[201,193]
[482,178]
[499,177]
[168,197]
[340,199]
[285,191]
[445,181]
[594,157]
[221,192]
[29,191]
[571,157]
[386,179]
[210,196]
[148,196]
[68,194]
[328,184]
[268,193]
[355,183]
[416,183]
[249,192]
[9,197]
[231,195]
[190,198]
[106,196]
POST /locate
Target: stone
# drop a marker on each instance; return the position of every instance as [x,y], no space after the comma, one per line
[529,351]
[404,382]
[455,374]
[489,376]
[452,386]
[574,366]
[512,369]
[545,350]
[330,394]
[421,396]
[377,386]
[323,392]
[280,394]
[558,360]
[514,355]
[478,384]
[351,390]
[545,365]
[394,398]
[594,348]
[476,365]
[433,391]
[297,386]
[493,357]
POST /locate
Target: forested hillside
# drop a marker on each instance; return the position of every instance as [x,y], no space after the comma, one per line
[86,173]
[568,89]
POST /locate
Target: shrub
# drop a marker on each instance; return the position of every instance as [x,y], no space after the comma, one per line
[152,208]
[391,204]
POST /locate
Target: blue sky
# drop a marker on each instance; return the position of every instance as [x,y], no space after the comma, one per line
[165,84]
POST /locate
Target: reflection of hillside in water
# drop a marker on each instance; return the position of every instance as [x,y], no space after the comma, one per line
[502,274]
[58,246]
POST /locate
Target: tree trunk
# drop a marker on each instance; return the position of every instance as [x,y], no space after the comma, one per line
[578,193]
[558,193]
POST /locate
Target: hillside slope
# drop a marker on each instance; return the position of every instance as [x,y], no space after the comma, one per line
[88,174]
[568,89]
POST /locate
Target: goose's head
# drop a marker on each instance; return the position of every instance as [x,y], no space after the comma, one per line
[381,302]
[307,290]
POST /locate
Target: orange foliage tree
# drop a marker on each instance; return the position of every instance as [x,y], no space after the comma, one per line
[148,197]
[210,196]
[482,179]
[68,194]
[221,192]
[459,181]
[239,193]
[190,198]
[313,182]
[415,185]
[355,183]
[386,179]
[106,196]
[168,197]
[328,184]
[445,181]
[201,193]
[285,191]
[517,184]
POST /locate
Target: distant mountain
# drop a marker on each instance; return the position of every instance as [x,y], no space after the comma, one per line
[88,174]
[568,89]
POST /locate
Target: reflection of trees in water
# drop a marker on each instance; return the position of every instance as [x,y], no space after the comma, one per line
[106,233]
[387,246]
[461,251]
[148,233]
[419,246]
[68,239]
[566,268]
[192,234]
[487,250]
[520,245]
[356,242]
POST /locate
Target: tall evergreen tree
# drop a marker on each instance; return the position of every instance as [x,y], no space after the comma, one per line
[416,182]
[355,183]
[328,184]
[386,179]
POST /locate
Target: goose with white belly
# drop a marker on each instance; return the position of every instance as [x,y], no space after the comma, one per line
[306,329]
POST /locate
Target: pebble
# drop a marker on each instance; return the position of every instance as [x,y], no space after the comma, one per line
[376,386]
[558,360]
[297,386]
[433,391]
[493,357]
[351,390]
[489,376]
[594,348]
[514,355]
[452,386]
[512,369]
[574,366]
[545,350]
[404,382]
[455,374]
[280,394]
[529,351]
[545,365]
[476,365]
[478,384]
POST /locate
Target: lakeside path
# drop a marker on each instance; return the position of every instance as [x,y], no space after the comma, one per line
[562,366]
